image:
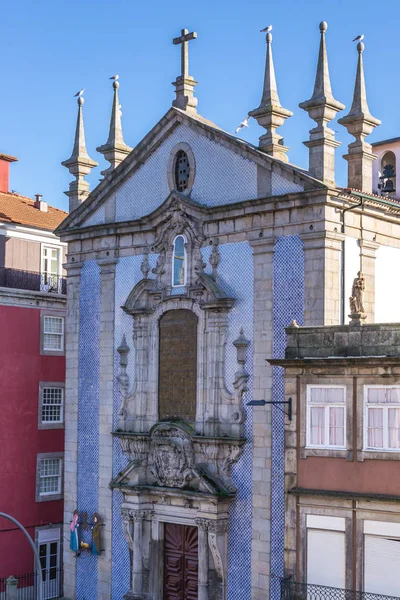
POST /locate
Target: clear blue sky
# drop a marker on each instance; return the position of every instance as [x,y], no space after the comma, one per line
[52,48]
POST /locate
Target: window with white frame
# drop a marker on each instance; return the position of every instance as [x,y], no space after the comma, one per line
[382,418]
[179,262]
[50,472]
[53,333]
[326,416]
[52,405]
[50,261]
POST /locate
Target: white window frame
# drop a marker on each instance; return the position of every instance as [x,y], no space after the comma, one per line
[175,285]
[54,351]
[51,424]
[343,405]
[385,407]
[50,247]
[54,495]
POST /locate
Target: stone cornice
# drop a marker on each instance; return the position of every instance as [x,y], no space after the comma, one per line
[27,298]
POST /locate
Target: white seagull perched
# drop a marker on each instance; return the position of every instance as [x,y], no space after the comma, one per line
[244,123]
[266,29]
[79,94]
[114,77]
[359,38]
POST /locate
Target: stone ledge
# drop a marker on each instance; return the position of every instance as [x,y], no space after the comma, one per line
[17,297]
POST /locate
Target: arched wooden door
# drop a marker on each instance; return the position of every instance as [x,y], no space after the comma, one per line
[181,560]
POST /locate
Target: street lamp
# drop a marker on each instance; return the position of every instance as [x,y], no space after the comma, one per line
[39,594]
[274,403]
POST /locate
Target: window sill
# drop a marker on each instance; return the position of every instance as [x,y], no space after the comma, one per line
[378,455]
[49,498]
[50,425]
[325,452]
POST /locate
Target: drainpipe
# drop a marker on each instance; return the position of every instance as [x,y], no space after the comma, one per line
[342,275]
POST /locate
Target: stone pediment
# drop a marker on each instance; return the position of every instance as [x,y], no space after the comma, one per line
[297,178]
[172,456]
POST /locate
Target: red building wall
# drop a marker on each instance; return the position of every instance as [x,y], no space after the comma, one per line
[21,369]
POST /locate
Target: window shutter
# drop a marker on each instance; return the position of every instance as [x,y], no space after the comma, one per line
[326,557]
[381,565]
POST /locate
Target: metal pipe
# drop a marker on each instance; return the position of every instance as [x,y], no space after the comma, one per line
[39,594]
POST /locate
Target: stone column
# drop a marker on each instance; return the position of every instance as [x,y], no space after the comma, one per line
[368,250]
[322,266]
[263,250]
[106,387]
[137,563]
[203,559]
[71,419]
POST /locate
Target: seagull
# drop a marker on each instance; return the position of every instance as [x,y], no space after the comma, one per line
[244,123]
[266,29]
[79,94]
[359,38]
[114,77]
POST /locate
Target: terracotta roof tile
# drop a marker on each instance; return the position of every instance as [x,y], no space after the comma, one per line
[21,210]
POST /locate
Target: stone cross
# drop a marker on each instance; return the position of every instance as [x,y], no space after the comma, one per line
[184,40]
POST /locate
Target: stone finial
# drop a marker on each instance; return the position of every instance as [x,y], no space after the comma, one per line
[184,83]
[79,164]
[115,149]
[322,108]
[359,123]
[270,114]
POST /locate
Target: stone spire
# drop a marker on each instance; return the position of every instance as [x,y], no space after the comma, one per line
[270,114]
[79,164]
[115,149]
[322,108]
[359,123]
[184,84]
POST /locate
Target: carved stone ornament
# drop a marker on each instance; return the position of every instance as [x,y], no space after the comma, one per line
[171,455]
[357,312]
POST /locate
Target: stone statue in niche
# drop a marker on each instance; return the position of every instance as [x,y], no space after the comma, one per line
[171,455]
[357,312]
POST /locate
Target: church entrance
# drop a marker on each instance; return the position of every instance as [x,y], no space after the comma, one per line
[180,562]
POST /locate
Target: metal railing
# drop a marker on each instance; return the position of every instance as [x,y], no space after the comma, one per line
[30,280]
[27,585]
[293,590]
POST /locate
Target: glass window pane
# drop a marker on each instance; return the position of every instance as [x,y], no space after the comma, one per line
[376,395]
[179,261]
[335,395]
[317,426]
[394,427]
[336,426]
[375,427]
[317,395]
[393,395]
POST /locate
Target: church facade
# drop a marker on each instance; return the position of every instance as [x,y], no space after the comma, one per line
[185,265]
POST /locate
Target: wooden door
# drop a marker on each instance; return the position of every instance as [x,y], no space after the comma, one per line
[180,562]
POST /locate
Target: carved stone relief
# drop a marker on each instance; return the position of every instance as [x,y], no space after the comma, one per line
[171,456]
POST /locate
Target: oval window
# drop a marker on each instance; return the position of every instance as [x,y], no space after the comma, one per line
[178,267]
[182,171]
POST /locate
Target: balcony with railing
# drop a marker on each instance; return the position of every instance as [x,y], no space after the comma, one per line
[25,587]
[33,281]
[293,590]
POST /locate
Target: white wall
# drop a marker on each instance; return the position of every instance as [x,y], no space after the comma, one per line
[387,285]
